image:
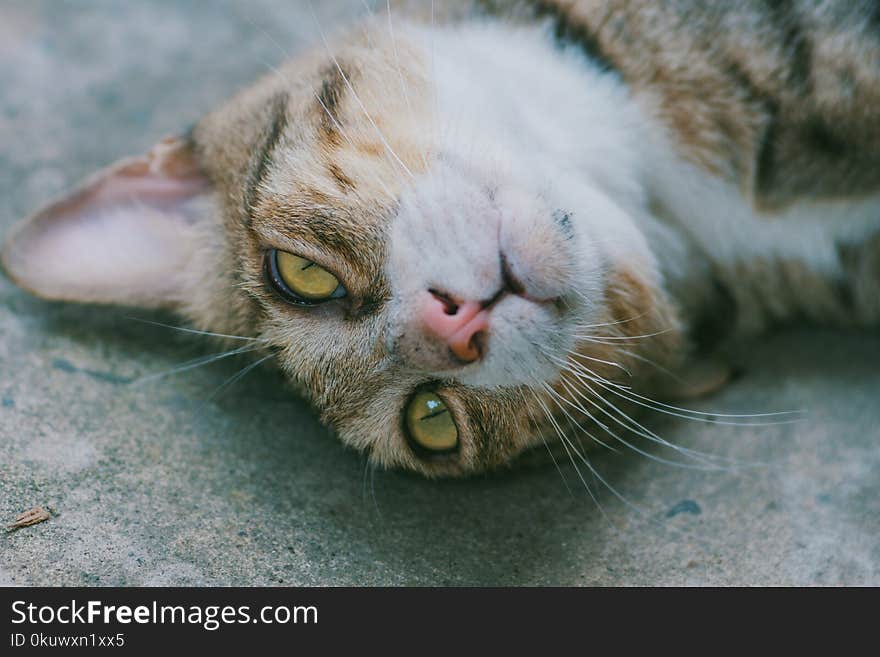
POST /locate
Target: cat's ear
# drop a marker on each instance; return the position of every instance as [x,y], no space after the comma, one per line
[125,235]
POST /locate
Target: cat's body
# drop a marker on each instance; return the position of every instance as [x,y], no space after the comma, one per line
[531,209]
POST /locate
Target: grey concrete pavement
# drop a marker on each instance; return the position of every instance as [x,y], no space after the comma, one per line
[170,482]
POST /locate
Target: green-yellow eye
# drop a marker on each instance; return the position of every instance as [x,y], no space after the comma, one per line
[302,280]
[430,424]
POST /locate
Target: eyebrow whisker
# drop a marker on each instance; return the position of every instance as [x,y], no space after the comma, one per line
[354,94]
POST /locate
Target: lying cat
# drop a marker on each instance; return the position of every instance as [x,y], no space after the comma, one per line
[469,229]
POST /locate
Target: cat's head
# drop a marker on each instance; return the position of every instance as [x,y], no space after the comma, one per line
[423,271]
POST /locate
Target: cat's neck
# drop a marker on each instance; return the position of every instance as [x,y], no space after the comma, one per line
[548,116]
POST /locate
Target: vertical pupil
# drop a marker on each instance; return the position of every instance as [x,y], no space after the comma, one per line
[430,424]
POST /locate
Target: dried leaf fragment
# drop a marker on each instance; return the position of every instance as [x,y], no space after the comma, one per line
[30,517]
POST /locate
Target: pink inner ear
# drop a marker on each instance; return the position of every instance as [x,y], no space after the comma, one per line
[165,176]
[149,188]
[124,236]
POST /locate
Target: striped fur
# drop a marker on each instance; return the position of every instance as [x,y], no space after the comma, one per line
[670,174]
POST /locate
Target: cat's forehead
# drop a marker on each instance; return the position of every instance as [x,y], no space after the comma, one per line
[318,152]
[307,192]
[360,92]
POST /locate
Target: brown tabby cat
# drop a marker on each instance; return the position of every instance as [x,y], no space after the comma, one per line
[475,227]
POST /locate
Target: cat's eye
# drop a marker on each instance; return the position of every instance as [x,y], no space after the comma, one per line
[429,424]
[300,280]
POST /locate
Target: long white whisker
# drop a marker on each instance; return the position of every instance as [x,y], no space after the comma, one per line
[572,451]
[598,360]
[616,436]
[622,338]
[566,446]
[629,394]
[196,331]
[197,362]
[596,474]
[544,440]
[582,375]
[400,70]
[238,376]
[336,123]
[373,489]
[354,94]
[631,425]
[643,359]
[640,430]
[403,90]
[617,322]
[579,409]
[696,416]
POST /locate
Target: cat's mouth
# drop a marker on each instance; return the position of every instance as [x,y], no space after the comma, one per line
[484,278]
[512,343]
[467,338]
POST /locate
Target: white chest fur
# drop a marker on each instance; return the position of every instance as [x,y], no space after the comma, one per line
[731,232]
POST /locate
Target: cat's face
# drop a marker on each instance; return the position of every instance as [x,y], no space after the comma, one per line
[420,275]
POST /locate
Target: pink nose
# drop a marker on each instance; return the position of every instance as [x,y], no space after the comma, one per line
[458,324]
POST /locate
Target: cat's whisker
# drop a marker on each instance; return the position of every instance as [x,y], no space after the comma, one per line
[653,363]
[577,426]
[584,374]
[596,340]
[706,416]
[712,460]
[566,445]
[632,426]
[196,331]
[197,362]
[608,429]
[698,416]
[635,427]
[605,324]
[400,70]
[537,426]
[372,17]
[366,457]
[337,125]
[639,510]
[610,363]
[370,466]
[373,469]
[354,94]
[622,338]
[570,447]
[237,377]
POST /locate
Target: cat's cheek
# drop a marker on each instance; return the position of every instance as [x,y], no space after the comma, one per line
[537,242]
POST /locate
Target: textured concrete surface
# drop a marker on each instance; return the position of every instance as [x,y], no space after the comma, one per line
[171,482]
